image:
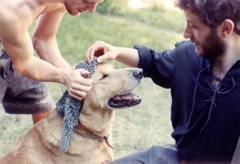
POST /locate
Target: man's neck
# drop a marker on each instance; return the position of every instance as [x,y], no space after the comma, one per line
[223,64]
[48,1]
[48,5]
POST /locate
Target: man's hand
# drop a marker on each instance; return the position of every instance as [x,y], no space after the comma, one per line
[77,85]
[102,50]
[105,51]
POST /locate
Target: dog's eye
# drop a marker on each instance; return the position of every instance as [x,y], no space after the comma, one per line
[104,76]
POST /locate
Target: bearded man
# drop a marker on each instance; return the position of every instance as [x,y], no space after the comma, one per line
[204,77]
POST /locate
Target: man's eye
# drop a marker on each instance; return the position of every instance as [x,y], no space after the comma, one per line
[191,25]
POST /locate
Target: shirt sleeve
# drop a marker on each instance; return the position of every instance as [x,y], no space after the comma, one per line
[157,65]
[163,67]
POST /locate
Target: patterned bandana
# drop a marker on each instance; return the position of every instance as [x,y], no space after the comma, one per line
[69,108]
[1,48]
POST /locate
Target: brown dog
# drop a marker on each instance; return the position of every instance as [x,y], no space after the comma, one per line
[90,139]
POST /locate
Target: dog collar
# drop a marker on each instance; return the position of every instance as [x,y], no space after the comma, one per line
[95,137]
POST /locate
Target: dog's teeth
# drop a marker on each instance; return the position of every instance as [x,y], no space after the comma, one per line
[136,97]
[117,98]
[128,96]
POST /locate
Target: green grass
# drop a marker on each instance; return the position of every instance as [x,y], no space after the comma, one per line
[76,34]
[158,17]
[134,128]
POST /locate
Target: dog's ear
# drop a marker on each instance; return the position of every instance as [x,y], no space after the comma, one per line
[84,105]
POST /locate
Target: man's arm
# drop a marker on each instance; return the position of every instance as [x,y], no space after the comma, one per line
[44,38]
[19,47]
[105,51]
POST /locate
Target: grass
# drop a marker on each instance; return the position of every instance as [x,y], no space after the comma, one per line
[135,128]
[79,33]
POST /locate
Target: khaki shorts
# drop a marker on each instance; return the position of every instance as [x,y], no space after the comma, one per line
[20,94]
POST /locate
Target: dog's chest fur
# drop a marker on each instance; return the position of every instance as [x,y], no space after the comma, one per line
[41,145]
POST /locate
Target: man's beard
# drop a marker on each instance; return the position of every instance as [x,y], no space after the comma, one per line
[213,46]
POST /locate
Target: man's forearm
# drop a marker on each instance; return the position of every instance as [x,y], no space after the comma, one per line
[128,56]
[41,70]
[48,50]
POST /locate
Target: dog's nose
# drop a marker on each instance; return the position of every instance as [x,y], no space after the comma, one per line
[138,73]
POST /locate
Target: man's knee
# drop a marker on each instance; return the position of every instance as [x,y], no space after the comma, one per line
[163,154]
[37,117]
[153,155]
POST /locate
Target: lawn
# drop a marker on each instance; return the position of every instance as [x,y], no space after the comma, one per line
[135,128]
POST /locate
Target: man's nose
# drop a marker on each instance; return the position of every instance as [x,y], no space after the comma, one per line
[187,33]
[92,8]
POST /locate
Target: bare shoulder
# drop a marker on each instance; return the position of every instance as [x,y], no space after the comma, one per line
[17,16]
[12,14]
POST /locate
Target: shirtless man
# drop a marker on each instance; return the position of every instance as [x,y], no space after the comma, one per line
[21,87]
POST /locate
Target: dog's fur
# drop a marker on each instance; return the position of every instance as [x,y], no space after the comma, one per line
[41,144]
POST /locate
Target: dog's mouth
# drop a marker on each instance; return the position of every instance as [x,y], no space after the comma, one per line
[126,100]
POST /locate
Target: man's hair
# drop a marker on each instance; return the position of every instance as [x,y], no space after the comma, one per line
[213,12]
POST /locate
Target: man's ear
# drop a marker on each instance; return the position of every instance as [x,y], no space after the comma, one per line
[226,28]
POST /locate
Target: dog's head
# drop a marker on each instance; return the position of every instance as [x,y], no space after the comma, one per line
[112,87]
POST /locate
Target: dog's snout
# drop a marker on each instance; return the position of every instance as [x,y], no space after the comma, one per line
[138,73]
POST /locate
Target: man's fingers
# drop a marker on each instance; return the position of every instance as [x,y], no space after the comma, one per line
[84,72]
[102,58]
[78,91]
[78,96]
[91,52]
[97,49]
[89,55]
